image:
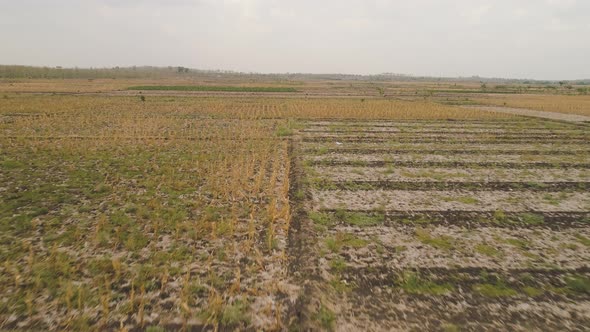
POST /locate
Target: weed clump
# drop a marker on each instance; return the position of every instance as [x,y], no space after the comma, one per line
[336,243]
[325,317]
[440,242]
[487,250]
[578,284]
[498,289]
[412,283]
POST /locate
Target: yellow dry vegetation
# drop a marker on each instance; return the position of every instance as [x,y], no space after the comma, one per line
[236,108]
[549,103]
[115,213]
[119,86]
[64,86]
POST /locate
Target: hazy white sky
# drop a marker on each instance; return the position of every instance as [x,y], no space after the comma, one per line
[542,39]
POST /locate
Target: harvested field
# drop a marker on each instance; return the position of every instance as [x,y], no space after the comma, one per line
[579,105]
[133,216]
[448,225]
[248,213]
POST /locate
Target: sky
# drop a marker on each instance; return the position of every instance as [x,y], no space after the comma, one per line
[537,39]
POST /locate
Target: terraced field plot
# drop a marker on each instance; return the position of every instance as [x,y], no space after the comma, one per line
[471,224]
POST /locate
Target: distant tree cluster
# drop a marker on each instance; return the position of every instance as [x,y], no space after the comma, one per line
[59,72]
[14,72]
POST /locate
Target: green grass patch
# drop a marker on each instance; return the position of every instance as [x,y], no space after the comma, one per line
[235,314]
[578,284]
[498,289]
[532,219]
[345,239]
[532,291]
[500,217]
[288,128]
[340,286]
[555,199]
[320,151]
[11,164]
[326,318]
[320,218]
[441,242]
[583,240]
[521,244]
[207,88]
[412,283]
[283,131]
[338,265]
[155,329]
[359,219]
[448,327]
[488,250]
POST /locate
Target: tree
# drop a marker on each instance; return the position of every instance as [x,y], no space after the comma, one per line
[181,70]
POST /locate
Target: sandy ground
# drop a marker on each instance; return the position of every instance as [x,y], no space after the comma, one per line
[534,248]
[531,159]
[533,113]
[446,146]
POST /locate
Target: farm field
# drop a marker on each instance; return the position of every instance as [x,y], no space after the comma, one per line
[447,225]
[185,212]
[131,218]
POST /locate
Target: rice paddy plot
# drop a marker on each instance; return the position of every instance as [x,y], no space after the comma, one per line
[440,225]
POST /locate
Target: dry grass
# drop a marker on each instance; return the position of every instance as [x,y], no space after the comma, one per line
[233,108]
[549,103]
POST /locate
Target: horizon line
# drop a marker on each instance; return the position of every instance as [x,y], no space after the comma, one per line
[231,71]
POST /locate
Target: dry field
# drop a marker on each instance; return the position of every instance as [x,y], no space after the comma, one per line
[122,215]
[262,213]
[549,103]
[446,225]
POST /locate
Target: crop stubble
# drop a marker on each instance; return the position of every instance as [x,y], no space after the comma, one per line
[471,229]
[198,213]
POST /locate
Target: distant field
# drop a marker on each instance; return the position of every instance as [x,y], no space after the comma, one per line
[463,91]
[550,103]
[211,88]
[243,108]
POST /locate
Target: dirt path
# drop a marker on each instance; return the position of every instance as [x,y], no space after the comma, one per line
[533,113]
